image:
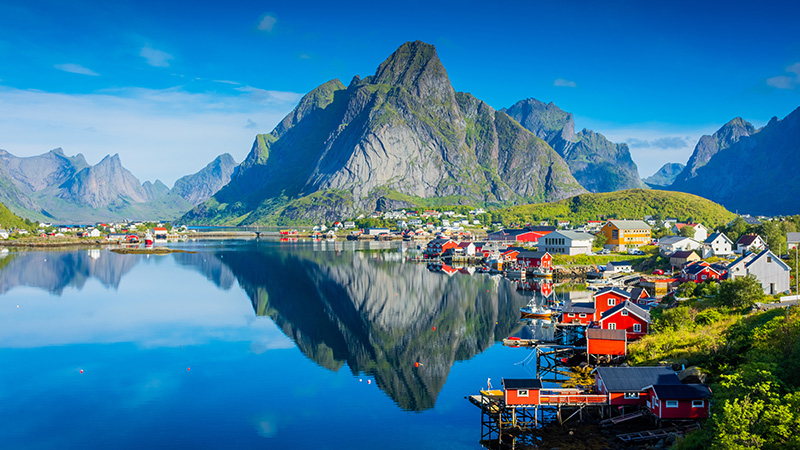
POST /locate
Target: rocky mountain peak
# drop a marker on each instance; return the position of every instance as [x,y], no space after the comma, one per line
[415,66]
[708,146]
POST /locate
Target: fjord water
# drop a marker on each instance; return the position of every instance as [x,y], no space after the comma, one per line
[248,344]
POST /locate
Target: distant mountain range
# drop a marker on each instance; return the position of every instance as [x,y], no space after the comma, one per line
[53,186]
[665,176]
[747,169]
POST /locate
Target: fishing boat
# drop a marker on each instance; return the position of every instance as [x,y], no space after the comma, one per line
[534,311]
[148,239]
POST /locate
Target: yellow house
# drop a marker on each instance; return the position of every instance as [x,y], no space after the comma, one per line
[626,233]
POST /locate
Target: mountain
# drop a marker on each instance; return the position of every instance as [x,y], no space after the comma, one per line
[200,186]
[665,176]
[630,204]
[53,186]
[748,170]
[597,163]
[397,138]
[708,146]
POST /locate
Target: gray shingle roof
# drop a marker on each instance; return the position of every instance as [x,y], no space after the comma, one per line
[615,290]
[522,383]
[635,379]
[714,237]
[792,237]
[579,308]
[608,335]
[681,391]
[632,307]
[630,224]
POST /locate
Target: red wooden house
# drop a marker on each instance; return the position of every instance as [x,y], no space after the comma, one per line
[606,342]
[521,391]
[678,401]
[438,246]
[509,255]
[531,261]
[607,298]
[581,313]
[700,271]
[628,386]
[626,316]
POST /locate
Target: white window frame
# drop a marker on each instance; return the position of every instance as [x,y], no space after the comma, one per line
[522,392]
[570,314]
[637,328]
[698,403]
[612,302]
[582,316]
[631,395]
[624,312]
[671,404]
[612,326]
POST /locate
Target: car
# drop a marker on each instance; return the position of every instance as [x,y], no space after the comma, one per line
[604,251]
[635,251]
[658,272]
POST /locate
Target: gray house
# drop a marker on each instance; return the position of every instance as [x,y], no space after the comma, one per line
[769,270]
[718,245]
[567,243]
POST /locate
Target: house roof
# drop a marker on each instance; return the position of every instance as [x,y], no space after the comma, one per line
[694,269]
[529,254]
[439,241]
[465,244]
[613,289]
[792,237]
[713,237]
[636,379]
[747,239]
[522,383]
[619,263]
[637,293]
[671,240]
[630,224]
[681,391]
[608,335]
[631,307]
[580,308]
[574,235]
[682,254]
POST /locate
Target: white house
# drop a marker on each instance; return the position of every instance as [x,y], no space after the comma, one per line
[717,245]
[668,245]
[94,232]
[566,243]
[750,242]
[3,234]
[769,270]
[792,240]
[619,267]
[700,232]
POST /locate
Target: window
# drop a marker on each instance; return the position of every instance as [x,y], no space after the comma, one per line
[571,315]
[612,302]
[624,313]
[631,395]
[672,403]
[583,316]
[698,403]
[522,393]
[769,259]
[612,326]
[637,328]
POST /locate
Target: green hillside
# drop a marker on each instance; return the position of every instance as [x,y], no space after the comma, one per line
[10,220]
[630,204]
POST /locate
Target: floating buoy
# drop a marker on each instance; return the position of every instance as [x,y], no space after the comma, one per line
[360,380]
[369,381]
[188,368]
[81,370]
[416,364]
[434,328]
[17,306]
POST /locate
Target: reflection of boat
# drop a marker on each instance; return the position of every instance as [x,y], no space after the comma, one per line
[289,233]
[534,311]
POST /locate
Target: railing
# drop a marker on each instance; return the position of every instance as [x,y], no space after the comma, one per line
[572,399]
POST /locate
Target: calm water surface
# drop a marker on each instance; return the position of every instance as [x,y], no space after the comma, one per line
[248,344]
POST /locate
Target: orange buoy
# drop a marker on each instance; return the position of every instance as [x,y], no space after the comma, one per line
[81,370]
[188,368]
[416,364]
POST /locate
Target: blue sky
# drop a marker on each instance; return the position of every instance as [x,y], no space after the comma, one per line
[170,85]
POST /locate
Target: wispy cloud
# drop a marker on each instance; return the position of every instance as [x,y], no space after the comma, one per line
[786,81]
[267,22]
[251,125]
[183,130]
[76,68]
[270,97]
[672,142]
[564,83]
[155,58]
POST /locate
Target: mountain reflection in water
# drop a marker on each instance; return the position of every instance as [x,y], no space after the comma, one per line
[366,309]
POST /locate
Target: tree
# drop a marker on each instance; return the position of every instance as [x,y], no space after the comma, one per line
[686,289]
[600,240]
[737,228]
[740,292]
[774,235]
[687,231]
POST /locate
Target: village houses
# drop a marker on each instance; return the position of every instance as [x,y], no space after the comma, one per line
[621,234]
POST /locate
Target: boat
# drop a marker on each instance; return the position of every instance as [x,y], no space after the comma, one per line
[289,233]
[148,239]
[534,311]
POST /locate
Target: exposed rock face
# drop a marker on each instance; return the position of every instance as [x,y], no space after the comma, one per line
[200,186]
[402,133]
[708,146]
[747,170]
[665,176]
[597,163]
[105,184]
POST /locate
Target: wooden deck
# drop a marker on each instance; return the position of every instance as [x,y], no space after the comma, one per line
[649,435]
[568,399]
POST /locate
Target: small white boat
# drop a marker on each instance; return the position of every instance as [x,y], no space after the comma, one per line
[534,311]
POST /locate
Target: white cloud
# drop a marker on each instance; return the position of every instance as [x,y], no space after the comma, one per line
[564,83]
[267,22]
[155,58]
[76,68]
[786,81]
[159,134]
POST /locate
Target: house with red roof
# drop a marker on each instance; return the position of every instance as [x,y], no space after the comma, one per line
[751,242]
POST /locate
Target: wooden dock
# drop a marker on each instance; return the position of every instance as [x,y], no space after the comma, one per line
[650,435]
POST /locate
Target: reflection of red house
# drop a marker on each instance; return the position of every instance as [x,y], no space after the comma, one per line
[438,246]
[626,316]
[528,234]
[535,260]
[607,298]
[679,401]
[582,313]
[521,391]
[629,385]
[606,342]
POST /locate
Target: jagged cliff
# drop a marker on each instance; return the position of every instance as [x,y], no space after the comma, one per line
[402,134]
[597,163]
